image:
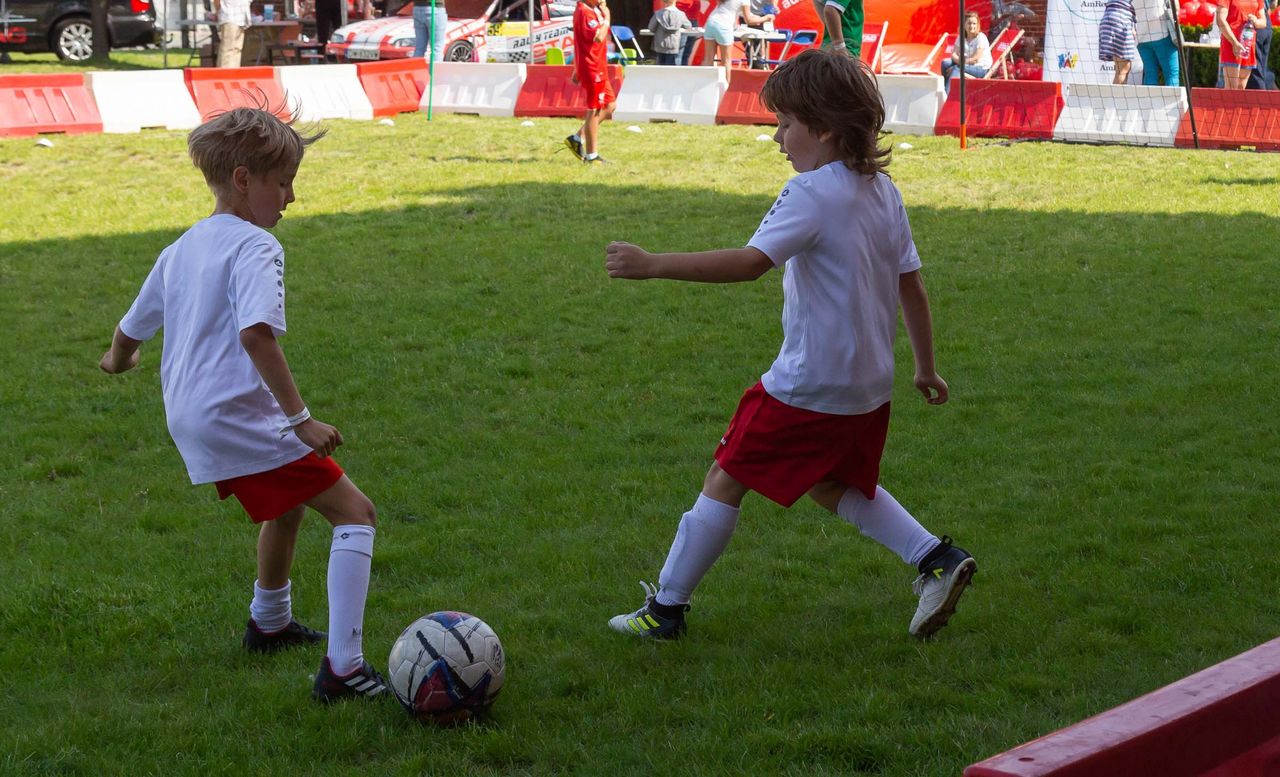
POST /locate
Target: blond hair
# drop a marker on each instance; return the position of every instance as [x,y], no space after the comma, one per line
[829,91]
[255,138]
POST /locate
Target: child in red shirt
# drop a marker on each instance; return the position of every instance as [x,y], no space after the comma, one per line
[591,72]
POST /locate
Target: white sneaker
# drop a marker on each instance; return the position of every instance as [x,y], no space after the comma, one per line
[944,574]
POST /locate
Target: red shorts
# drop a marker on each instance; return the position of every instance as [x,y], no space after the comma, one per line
[269,495]
[781,452]
[599,90]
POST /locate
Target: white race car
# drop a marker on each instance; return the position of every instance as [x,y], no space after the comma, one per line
[479,31]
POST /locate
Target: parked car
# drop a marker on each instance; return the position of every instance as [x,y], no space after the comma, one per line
[63,26]
[479,30]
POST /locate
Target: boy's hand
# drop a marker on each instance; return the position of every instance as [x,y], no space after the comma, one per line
[112,364]
[322,438]
[933,387]
[623,260]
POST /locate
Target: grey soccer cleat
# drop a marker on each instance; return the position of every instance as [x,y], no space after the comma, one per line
[944,574]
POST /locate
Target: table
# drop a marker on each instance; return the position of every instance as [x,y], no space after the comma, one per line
[753,40]
[258,38]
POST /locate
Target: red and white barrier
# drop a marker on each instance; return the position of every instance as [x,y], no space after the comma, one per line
[1111,113]
[130,101]
[911,103]
[480,88]
[220,89]
[1221,722]
[689,95]
[47,102]
[741,103]
[393,85]
[317,92]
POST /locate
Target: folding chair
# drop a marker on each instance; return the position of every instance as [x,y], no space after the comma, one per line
[1002,50]
[805,38]
[629,54]
[872,42]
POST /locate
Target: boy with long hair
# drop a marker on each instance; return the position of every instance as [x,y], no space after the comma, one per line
[816,422]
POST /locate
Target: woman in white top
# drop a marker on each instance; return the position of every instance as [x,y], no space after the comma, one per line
[974,55]
[717,36]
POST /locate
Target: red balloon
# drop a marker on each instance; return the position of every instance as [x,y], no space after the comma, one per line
[1188,11]
[1208,13]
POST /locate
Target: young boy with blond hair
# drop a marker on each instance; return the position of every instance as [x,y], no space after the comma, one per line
[816,422]
[233,408]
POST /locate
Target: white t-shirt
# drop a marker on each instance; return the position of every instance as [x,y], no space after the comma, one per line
[980,46]
[726,13]
[222,276]
[844,239]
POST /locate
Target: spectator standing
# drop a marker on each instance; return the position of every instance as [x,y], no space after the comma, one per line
[1261,76]
[666,25]
[328,18]
[842,20]
[717,35]
[1154,34]
[233,19]
[756,49]
[430,23]
[973,54]
[1116,37]
[1239,22]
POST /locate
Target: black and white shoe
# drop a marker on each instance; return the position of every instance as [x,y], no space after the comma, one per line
[364,681]
[258,641]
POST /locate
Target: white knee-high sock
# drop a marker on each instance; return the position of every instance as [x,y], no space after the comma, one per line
[703,535]
[271,609]
[885,521]
[350,557]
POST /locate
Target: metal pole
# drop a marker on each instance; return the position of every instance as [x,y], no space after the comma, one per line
[964,141]
[1186,73]
[431,58]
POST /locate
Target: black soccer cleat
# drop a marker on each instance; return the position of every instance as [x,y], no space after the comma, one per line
[364,681]
[575,145]
[944,574]
[258,641]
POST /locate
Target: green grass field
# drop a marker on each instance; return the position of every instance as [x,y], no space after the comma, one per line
[531,432]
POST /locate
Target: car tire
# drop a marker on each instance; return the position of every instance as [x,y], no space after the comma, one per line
[72,39]
[460,51]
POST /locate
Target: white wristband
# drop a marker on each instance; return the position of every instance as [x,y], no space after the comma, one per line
[304,415]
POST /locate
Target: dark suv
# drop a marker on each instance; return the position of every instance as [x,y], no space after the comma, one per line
[63,27]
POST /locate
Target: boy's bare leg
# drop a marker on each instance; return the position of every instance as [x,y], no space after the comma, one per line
[590,130]
[276,542]
[271,612]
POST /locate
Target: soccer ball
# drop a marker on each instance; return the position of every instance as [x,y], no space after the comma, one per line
[446,667]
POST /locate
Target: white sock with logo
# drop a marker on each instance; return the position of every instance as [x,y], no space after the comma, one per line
[888,523]
[703,535]
[350,557]
[271,609]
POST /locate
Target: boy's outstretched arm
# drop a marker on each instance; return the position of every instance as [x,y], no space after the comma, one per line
[728,265]
[260,343]
[123,354]
[919,323]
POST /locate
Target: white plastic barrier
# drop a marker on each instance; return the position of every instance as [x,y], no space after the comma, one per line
[482,88]
[129,101]
[911,103]
[1114,113]
[690,95]
[324,92]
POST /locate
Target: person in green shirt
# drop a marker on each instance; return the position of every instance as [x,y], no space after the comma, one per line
[843,22]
